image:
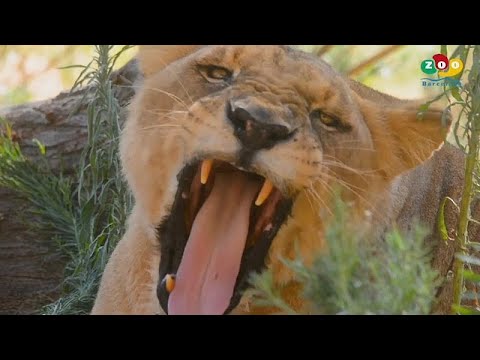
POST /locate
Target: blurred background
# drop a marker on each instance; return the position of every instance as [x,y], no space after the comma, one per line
[38,72]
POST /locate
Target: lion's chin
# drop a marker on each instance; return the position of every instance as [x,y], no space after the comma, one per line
[219,231]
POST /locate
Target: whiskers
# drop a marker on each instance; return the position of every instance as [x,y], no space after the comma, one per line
[333,162]
[321,190]
[178,100]
[162,126]
[312,192]
[171,115]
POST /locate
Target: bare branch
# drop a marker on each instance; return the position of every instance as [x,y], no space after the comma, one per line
[323,50]
[357,70]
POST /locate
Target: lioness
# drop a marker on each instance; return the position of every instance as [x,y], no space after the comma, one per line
[232,153]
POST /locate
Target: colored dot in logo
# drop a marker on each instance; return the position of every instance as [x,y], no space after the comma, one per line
[428,67]
[441,62]
[456,66]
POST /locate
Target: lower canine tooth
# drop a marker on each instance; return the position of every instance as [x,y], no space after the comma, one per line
[169,281]
[205,171]
[264,192]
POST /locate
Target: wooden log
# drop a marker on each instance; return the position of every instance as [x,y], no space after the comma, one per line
[31,270]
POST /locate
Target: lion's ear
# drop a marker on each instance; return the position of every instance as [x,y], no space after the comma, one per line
[403,138]
[154,58]
[416,135]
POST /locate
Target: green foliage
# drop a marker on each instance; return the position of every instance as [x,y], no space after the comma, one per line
[466,133]
[467,136]
[86,216]
[359,276]
[102,197]
[48,193]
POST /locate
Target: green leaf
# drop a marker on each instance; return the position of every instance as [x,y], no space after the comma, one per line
[456,94]
[71,67]
[442,227]
[470,275]
[443,50]
[8,129]
[424,107]
[41,147]
[462,310]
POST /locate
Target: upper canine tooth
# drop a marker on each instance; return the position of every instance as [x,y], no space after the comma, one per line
[205,171]
[264,192]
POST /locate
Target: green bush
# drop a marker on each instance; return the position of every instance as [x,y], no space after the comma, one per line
[359,276]
[85,214]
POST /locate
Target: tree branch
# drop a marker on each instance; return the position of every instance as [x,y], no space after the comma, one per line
[323,50]
[357,70]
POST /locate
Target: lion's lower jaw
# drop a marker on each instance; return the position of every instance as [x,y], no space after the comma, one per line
[131,277]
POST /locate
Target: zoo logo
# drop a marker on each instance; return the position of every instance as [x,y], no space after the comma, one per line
[446,69]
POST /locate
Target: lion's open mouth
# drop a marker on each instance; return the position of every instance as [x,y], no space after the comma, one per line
[219,231]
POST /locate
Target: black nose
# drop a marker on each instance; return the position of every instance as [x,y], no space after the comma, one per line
[254,131]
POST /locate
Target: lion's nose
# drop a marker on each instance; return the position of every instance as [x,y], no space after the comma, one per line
[254,129]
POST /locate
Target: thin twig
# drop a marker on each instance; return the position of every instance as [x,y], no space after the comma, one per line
[323,50]
[373,60]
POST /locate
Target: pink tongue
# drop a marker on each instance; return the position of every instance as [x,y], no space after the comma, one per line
[211,260]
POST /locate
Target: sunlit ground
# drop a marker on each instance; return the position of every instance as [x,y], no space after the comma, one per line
[32,73]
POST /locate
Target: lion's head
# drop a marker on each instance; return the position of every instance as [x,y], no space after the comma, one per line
[232,153]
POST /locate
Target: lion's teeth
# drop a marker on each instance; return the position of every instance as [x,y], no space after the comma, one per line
[264,192]
[205,171]
[169,282]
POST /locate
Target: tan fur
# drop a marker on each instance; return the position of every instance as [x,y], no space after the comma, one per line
[384,164]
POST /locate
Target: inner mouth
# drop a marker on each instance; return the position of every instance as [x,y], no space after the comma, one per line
[219,231]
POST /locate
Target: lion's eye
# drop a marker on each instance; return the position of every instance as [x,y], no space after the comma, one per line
[331,122]
[215,73]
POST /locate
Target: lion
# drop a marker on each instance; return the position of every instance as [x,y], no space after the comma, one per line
[232,153]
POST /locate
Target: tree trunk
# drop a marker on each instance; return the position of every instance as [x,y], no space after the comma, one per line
[30,269]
